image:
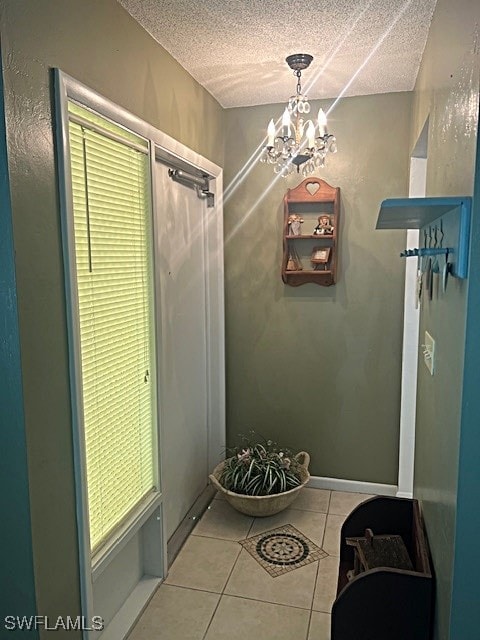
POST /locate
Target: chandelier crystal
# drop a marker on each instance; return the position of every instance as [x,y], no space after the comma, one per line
[301,145]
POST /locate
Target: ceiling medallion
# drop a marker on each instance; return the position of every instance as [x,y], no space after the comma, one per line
[301,144]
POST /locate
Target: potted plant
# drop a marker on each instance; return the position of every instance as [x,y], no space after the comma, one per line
[261,478]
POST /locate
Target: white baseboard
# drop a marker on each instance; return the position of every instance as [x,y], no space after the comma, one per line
[354,486]
[404,494]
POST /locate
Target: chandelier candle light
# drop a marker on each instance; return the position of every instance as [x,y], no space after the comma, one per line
[298,146]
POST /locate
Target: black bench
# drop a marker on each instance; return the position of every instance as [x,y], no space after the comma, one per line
[384,603]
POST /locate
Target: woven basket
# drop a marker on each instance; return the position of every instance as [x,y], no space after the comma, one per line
[261,506]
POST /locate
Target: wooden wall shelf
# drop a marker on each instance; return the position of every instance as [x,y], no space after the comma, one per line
[310,246]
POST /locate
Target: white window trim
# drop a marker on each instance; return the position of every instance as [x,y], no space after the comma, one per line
[67,88]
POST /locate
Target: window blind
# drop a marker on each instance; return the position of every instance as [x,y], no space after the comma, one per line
[111,208]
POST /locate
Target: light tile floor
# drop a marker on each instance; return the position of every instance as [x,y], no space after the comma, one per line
[215,590]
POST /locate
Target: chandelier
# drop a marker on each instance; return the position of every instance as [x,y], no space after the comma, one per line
[298,147]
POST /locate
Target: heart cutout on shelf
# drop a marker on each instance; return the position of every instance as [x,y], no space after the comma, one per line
[312,187]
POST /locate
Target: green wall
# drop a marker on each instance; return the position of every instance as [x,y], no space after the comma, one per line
[99,44]
[447,92]
[319,368]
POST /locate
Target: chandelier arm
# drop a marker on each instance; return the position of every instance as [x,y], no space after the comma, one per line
[285,138]
[325,137]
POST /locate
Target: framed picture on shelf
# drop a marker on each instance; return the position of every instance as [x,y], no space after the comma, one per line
[320,255]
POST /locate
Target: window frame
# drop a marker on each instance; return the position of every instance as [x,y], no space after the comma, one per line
[74,92]
[67,88]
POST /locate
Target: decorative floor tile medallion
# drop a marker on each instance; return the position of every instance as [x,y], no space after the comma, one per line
[282,549]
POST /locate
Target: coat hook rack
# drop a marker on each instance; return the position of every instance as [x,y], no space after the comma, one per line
[410,253]
[437,250]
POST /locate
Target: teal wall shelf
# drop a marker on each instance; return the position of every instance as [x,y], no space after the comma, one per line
[445,223]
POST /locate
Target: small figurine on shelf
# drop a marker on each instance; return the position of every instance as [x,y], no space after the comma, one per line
[293,262]
[324,226]
[294,224]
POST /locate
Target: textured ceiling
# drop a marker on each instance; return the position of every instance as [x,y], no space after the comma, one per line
[237,50]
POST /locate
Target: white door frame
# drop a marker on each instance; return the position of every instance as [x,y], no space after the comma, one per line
[411,324]
[67,88]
